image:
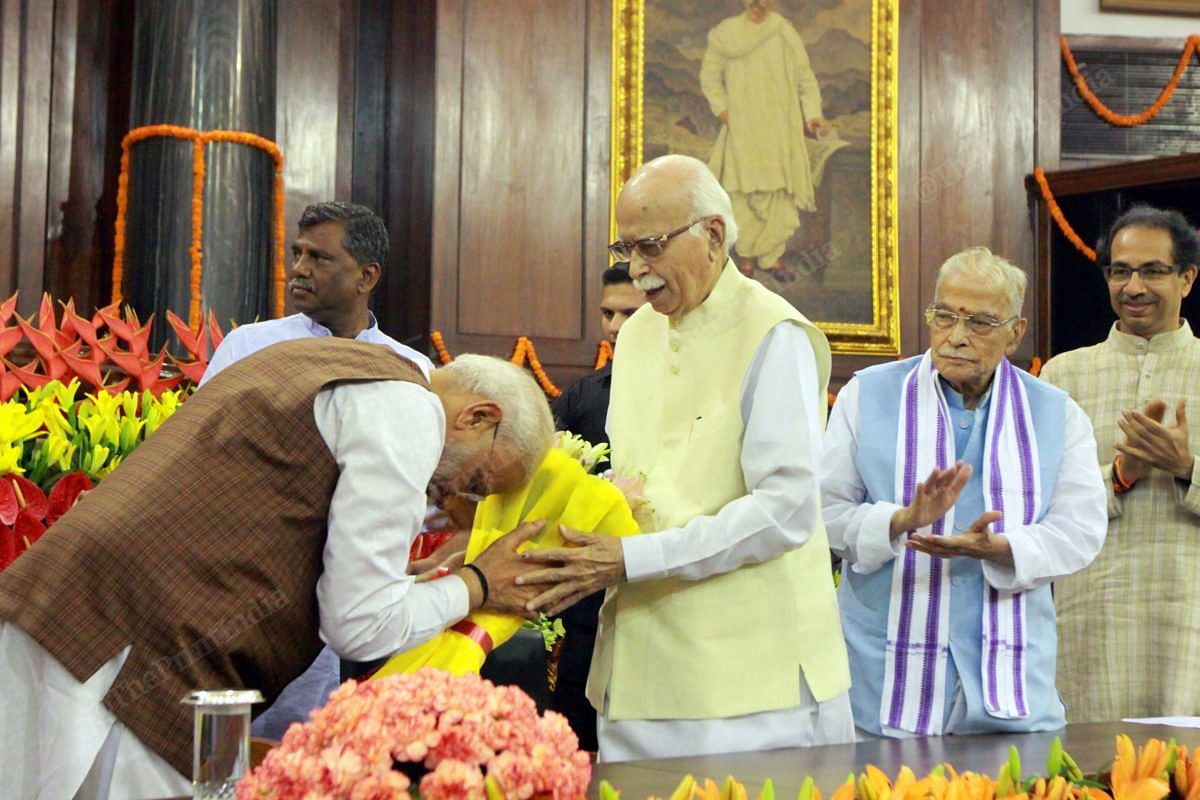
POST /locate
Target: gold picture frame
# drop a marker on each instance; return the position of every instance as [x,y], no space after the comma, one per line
[876,328]
[1183,8]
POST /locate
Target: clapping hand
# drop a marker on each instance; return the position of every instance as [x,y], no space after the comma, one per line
[975,542]
[931,499]
[1150,443]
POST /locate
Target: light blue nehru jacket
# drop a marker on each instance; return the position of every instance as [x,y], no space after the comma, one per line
[864,599]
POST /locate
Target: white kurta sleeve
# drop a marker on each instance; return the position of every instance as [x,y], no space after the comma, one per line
[387,438]
[781,449]
[859,532]
[1072,531]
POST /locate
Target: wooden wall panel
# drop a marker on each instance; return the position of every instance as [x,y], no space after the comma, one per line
[523,119]
[11,31]
[306,92]
[987,118]
[63,99]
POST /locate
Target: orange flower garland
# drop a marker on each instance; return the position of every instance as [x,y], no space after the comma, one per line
[196,251]
[1128,120]
[1039,175]
[524,351]
[604,354]
[440,346]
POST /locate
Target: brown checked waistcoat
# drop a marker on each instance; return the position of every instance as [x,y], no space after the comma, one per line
[203,549]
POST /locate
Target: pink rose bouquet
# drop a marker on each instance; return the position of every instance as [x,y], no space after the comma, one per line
[453,737]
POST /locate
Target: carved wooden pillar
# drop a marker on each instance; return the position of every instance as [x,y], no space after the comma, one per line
[207,65]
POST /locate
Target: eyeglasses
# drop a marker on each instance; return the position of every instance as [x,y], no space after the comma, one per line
[977,324]
[1119,274]
[650,247]
[479,484]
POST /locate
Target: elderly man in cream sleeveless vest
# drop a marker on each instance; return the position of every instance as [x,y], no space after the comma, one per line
[721,632]
[758,81]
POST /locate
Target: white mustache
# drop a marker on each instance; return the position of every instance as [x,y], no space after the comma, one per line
[300,283]
[648,283]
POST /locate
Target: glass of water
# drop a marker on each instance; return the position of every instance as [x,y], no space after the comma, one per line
[221,741]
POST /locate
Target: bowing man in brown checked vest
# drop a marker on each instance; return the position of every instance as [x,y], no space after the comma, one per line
[272,512]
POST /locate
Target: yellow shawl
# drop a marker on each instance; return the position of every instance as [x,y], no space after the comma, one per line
[560,492]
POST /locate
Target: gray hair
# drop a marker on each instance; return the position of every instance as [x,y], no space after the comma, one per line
[982,266]
[528,427]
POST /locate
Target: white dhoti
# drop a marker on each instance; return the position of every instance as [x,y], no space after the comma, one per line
[59,742]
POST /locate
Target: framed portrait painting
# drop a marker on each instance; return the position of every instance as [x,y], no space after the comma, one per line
[792,103]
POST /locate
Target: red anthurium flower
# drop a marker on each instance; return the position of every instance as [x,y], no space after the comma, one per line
[8,546]
[30,496]
[65,494]
[9,507]
[27,531]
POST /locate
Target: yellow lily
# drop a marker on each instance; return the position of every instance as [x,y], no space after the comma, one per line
[10,459]
[685,788]
[18,423]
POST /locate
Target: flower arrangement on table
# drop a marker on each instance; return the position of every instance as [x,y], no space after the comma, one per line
[1156,771]
[561,491]
[55,445]
[446,736]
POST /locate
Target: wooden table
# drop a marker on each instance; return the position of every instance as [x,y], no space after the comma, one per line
[1091,745]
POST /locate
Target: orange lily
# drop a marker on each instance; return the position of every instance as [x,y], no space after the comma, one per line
[845,791]
[1139,777]
[1187,773]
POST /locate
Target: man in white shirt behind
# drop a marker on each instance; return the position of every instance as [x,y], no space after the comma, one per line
[336,263]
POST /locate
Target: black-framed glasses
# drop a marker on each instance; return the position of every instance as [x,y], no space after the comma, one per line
[479,484]
[978,324]
[648,248]
[1119,274]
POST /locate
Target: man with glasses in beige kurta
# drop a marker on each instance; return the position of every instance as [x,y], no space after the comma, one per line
[1129,625]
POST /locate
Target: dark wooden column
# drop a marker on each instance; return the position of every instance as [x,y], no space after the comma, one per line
[208,65]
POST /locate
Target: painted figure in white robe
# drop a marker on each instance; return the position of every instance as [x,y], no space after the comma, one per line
[758,81]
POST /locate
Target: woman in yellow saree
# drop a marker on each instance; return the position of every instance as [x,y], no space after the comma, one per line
[560,492]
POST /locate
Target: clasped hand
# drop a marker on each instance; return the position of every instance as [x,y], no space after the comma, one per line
[590,562]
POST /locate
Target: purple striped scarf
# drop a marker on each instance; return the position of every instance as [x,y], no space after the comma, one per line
[914,686]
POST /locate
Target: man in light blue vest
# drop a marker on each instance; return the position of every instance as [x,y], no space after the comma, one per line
[956,489]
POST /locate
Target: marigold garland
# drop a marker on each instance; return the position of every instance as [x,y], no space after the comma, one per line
[440,346]
[1039,175]
[196,251]
[604,354]
[524,352]
[1128,120]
